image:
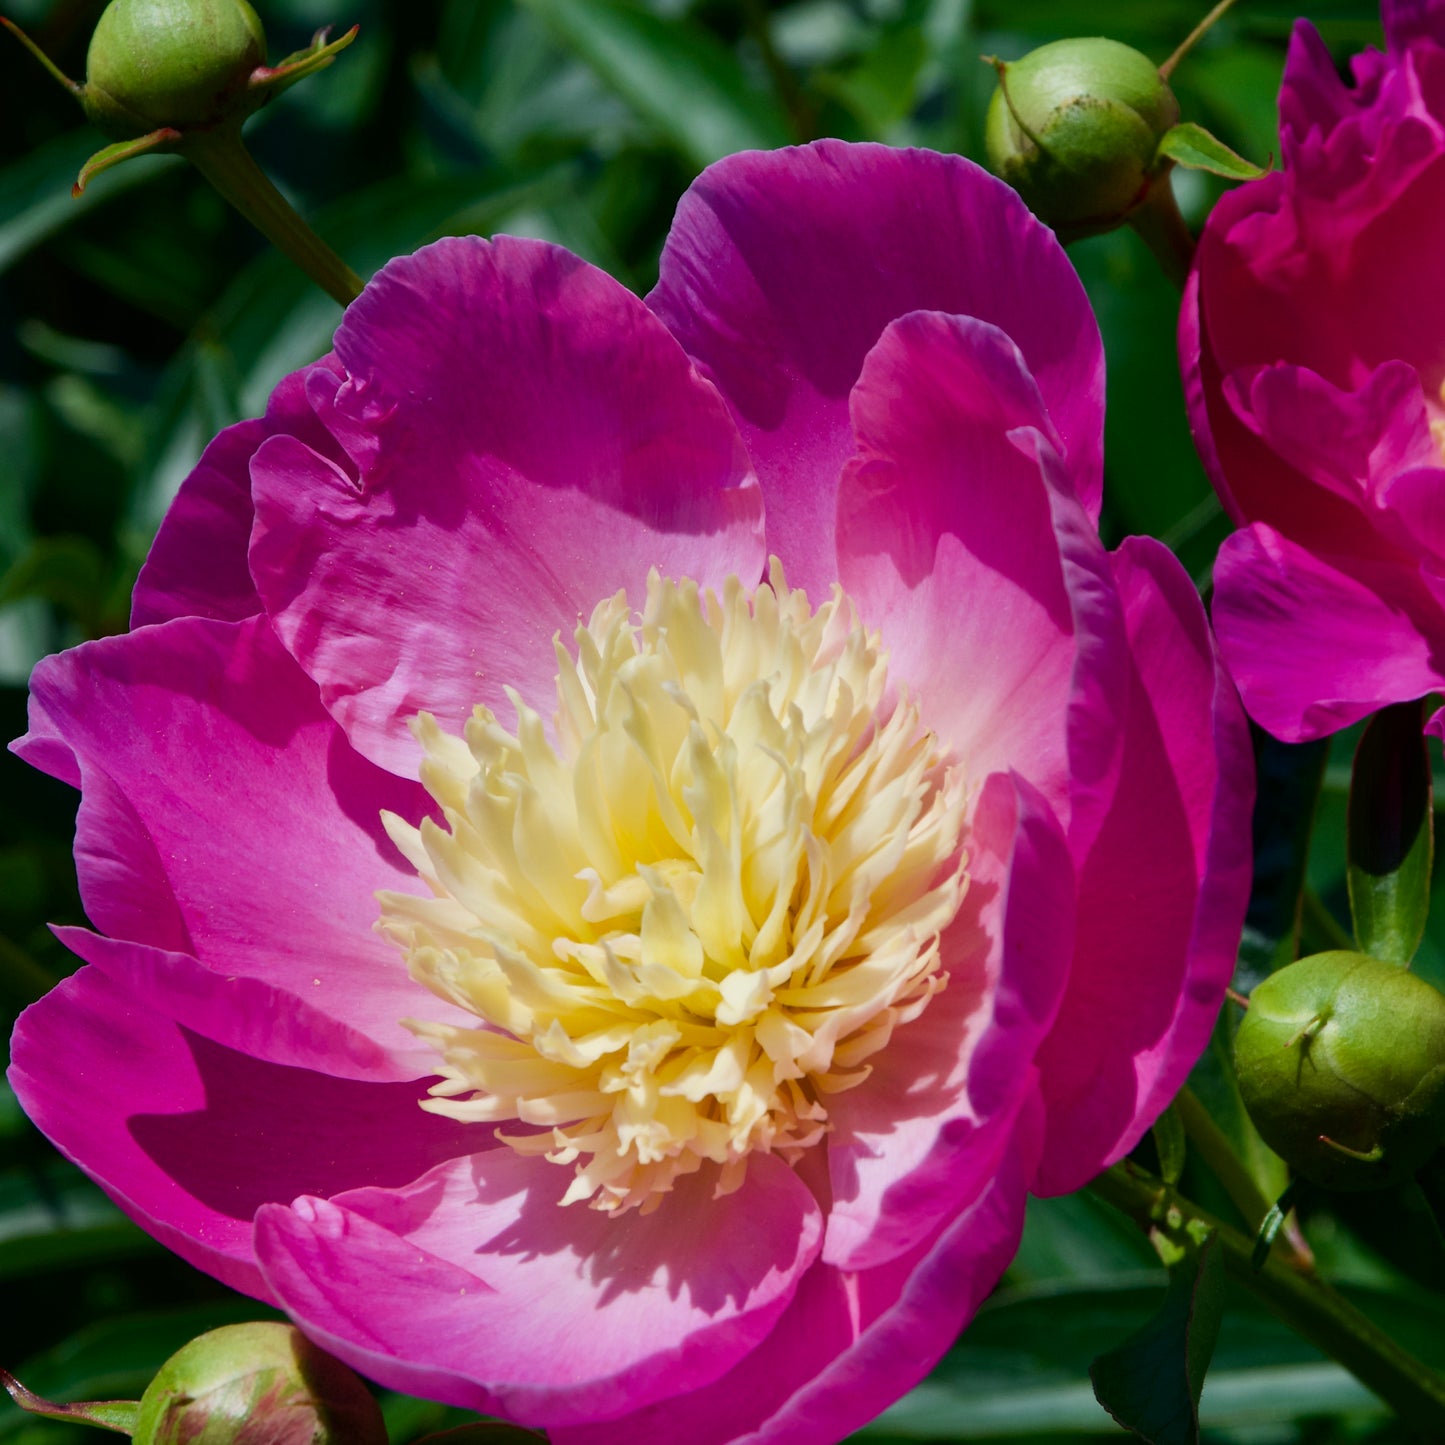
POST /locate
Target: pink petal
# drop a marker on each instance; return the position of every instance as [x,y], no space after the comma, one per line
[245,1014]
[197,566]
[1347,441]
[1411,20]
[850,1344]
[784,267]
[522,438]
[921,1139]
[477,1287]
[223,816]
[190,1138]
[960,540]
[1359,636]
[1162,891]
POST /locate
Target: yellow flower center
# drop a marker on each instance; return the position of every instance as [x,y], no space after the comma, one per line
[693,912]
[1437,426]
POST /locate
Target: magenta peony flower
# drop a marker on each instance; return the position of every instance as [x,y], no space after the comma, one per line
[1313,347]
[574,973]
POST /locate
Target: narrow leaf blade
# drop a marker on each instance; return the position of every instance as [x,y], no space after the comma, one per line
[1391,838]
[674,74]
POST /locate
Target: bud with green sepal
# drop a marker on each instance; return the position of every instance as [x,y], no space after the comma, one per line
[181,76]
[251,1384]
[1088,130]
[1075,128]
[1341,1064]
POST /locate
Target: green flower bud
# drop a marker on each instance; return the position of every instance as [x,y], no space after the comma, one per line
[257,1384]
[1075,128]
[174,63]
[1341,1063]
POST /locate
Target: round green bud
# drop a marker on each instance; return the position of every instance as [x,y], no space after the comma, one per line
[1341,1063]
[1074,127]
[176,63]
[257,1384]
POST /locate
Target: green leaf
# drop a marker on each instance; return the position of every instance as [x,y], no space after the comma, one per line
[35,199]
[673,73]
[1151,1383]
[1391,837]
[1019,1370]
[1191,146]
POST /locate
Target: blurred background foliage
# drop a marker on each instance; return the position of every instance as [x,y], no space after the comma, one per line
[139,320]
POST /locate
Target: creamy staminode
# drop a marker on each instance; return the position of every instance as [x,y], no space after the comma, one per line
[697,908]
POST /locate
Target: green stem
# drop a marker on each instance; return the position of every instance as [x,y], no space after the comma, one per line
[221,156]
[1193,38]
[1215,1149]
[1415,1392]
[1158,221]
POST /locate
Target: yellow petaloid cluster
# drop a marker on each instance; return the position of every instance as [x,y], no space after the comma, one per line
[694,914]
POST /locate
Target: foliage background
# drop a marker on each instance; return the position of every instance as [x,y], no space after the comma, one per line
[139,320]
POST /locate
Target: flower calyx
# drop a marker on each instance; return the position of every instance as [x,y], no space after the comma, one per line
[1087,129]
[263,1383]
[1341,1064]
[161,73]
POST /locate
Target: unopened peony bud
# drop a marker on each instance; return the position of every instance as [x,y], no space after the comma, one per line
[177,63]
[1341,1062]
[257,1384]
[1075,128]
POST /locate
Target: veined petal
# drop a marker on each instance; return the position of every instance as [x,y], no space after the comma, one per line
[475,1287]
[784,267]
[191,1138]
[522,438]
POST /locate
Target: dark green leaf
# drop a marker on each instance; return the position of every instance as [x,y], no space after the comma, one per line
[1391,834]
[1401,1226]
[35,199]
[1191,146]
[1151,1383]
[673,73]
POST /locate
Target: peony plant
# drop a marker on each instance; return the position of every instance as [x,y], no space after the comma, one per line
[626,838]
[1311,346]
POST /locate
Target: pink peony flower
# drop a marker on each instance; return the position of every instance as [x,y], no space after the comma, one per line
[1313,347]
[572,972]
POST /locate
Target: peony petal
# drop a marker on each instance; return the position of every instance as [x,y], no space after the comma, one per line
[1346,441]
[245,1014]
[850,1344]
[548,1314]
[961,542]
[1407,21]
[223,816]
[920,1140]
[1359,637]
[521,439]
[1151,962]
[784,267]
[197,566]
[190,1138]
